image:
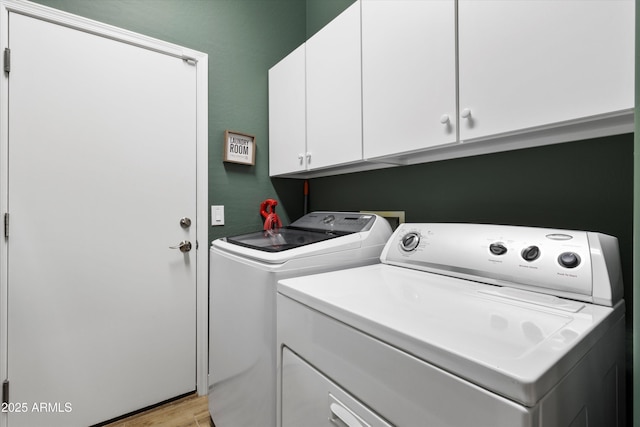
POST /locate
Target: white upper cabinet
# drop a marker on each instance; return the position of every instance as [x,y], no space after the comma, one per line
[287,122]
[410,81]
[408,75]
[334,96]
[526,64]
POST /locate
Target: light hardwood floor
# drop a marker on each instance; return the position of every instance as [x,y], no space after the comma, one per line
[189,411]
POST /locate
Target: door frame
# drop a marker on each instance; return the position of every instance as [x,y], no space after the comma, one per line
[197,59]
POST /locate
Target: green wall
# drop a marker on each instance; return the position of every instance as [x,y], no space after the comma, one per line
[321,12]
[243,38]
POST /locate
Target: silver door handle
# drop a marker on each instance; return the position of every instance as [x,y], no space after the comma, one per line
[184,246]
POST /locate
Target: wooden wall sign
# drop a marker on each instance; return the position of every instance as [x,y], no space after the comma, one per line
[239,148]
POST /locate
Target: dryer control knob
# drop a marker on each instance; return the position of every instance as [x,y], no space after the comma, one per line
[498,248]
[410,242]
[569,259]
[531,253]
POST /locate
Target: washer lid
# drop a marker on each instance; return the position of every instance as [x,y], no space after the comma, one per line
[314,234]
[283,239]
[312,228]
[504,343]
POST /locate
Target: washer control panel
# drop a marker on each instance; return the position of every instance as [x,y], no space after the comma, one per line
[559,262]
[341,222]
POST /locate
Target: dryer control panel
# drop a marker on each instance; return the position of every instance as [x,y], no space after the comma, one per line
[575,264]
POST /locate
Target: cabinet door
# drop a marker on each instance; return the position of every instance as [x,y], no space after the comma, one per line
[334,95]
[287,122]
[408,75]
[526,64]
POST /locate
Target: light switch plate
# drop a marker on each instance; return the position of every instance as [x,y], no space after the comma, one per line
[217,215]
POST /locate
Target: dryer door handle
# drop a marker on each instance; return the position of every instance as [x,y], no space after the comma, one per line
[343,417]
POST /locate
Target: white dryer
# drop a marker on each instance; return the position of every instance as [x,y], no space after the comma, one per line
[460,325]
[242,323]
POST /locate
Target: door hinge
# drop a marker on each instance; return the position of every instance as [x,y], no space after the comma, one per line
[6,224]
[5,392]
[7,60]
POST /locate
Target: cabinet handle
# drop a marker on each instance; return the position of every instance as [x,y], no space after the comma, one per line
[300,158]
[466,113]
[444,119]
[309,157]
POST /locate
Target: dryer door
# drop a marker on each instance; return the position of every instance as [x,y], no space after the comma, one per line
[310,399]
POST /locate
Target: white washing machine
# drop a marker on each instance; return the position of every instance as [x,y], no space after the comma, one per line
[242,323]
[460,325]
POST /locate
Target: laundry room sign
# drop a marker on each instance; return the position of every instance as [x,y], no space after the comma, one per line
[239,148]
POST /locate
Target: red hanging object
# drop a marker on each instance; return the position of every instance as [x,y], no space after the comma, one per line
[268,212]
[305,192]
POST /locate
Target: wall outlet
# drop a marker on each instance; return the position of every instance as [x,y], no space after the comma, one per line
[217,215]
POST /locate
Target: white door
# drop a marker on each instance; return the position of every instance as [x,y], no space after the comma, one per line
[102,152]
